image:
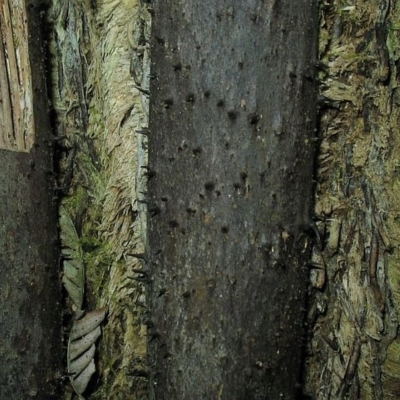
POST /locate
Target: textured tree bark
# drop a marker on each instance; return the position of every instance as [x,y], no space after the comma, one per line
[99,71]
[30,340]
[232,119]
[355,302]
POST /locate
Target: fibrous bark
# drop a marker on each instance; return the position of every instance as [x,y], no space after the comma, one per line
[354,343]
[99,69]
[232,120]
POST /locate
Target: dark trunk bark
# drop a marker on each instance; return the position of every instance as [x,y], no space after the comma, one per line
[30,338]
[232,119]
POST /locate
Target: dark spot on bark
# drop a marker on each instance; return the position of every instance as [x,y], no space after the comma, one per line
[188,67]
[177,67]
[189,98]
[254,18]
[253,118]
[209,186]
[149,323]
[243,176]
[197,151]
[237,186]
[183,147]
[186,294]
[198,47]
[173,224]
[162,292]
[167,103]
[218,193]
[207,94]
[227,145]
[153,211]
[240,65]
[232,115]
[191,210]
[171,159]
[225,229]
[220,103]
[160,41]
[262,176]
[150,174]
[183,231]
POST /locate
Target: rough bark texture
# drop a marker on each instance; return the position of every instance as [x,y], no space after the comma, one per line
[30,323]
[232,120]
[354,347]
[99,56]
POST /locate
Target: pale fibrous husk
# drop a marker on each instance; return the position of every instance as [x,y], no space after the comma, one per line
[354,304]
[100,68]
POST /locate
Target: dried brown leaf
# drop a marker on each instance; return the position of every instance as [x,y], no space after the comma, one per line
[81,381]
[79,364]
[78,347]
[88,323]
[81,347]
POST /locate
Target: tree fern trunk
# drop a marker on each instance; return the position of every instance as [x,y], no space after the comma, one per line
[355,302]
[231,162]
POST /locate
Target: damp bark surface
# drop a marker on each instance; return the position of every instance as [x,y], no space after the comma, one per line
[30,325]
[232,119]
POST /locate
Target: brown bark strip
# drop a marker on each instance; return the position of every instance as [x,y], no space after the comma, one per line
[351,368]
[7,125]
[373,266]
[16,91]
